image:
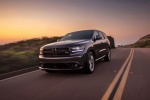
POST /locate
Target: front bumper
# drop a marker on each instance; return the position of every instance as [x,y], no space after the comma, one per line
[61,63]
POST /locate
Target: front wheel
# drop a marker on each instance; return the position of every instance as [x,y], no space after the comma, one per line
[108,56]
[90,63]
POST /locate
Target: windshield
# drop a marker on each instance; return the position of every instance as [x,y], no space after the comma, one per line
[87,34]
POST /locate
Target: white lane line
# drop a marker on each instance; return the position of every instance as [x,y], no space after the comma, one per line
[17,71]
[18,76]
[120,89]
[112,85]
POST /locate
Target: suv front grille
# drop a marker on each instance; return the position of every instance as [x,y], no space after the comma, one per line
[56,52]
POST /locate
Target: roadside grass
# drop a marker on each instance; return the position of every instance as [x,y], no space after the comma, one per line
[22,54]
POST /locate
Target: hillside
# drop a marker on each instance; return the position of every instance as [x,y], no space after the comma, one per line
[24,54]
[143,42]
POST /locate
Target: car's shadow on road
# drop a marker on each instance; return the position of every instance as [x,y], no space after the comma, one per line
[71,73]
[64,73]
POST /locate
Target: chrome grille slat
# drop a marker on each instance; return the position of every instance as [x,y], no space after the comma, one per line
[56,52]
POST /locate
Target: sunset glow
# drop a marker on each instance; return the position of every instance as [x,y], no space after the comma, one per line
[25,19]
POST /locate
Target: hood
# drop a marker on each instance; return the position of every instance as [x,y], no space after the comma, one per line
[68,43]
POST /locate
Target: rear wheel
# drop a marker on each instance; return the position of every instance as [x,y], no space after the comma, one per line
[108,56]
[90,63]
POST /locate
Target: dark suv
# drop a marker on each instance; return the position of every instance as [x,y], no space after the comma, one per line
[76,50]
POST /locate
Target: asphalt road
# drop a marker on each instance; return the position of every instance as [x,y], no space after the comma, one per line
[133,82]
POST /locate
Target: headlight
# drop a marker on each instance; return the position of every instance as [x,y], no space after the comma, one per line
[77,49]
[41,51]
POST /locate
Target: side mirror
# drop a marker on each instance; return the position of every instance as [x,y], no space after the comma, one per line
[98,37]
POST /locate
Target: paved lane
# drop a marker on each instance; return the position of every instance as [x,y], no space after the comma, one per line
[39,85]
[138,83]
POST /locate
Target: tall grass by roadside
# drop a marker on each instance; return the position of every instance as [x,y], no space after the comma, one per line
[22,54]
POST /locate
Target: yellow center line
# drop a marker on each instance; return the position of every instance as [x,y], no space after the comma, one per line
[120,89]
[112,85]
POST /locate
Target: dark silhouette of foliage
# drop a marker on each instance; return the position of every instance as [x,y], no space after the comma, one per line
[112,42]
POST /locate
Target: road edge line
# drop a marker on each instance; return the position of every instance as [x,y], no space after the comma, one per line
[17,75]
[18,70]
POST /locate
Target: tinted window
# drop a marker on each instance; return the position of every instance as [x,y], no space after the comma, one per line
[78,35]
[101,35]
[104,35]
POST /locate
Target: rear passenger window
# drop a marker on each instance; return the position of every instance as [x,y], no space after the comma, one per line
[104,35]
[101,34]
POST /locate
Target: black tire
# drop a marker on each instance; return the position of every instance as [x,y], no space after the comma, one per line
[90,63]
[108,56]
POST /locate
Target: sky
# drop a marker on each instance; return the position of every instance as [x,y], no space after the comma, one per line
[125,20]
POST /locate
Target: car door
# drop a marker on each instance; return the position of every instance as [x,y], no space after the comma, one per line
[105,43]
[102,49]
[97,45]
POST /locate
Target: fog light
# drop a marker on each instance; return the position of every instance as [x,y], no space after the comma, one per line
[76,65]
